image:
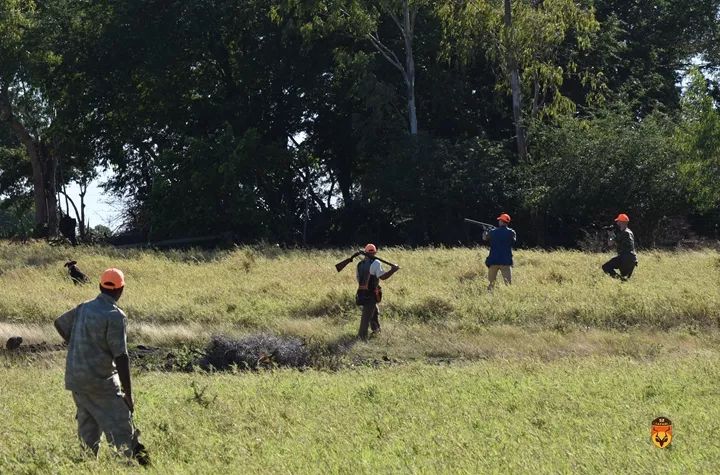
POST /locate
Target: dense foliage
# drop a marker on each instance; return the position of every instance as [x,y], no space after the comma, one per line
[335,121]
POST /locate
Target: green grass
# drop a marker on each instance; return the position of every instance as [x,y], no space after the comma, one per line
[252,288]
[560,373]
[588,415]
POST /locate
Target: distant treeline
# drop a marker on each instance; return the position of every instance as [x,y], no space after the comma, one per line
[328,122]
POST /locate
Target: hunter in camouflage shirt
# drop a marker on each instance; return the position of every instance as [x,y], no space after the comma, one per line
[626,260]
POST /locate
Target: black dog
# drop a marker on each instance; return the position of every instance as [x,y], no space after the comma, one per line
[75,274]
[14,343]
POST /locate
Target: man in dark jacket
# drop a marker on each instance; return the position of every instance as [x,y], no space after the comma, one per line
[500,258]
[626,260]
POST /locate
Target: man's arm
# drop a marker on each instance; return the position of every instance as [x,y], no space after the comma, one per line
[612,238]
[64,323]
[117,342]
[389,273]
[122,363]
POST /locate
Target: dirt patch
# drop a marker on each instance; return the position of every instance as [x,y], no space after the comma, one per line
[41,347]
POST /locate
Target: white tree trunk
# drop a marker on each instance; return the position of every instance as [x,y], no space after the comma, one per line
[514,83]
[408,35]
[406,25]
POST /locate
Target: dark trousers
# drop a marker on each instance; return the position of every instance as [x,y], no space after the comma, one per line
[370,313]
[625,264]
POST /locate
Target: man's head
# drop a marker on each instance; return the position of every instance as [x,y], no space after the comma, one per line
[503,219]
[370,249]
[622,221]
[112,283]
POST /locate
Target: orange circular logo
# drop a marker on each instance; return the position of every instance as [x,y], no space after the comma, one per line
[661,432]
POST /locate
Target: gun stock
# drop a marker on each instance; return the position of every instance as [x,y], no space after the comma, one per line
[342,264]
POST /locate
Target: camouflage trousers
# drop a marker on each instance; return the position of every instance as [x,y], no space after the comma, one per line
[104,413]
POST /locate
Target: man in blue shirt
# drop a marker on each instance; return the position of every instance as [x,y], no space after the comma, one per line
[500,258]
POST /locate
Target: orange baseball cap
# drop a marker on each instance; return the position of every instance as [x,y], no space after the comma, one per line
[505,218]
[623,218]
[370,249]
[112,279]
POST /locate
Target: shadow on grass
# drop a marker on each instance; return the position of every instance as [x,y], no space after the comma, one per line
[429,309]
[334,304]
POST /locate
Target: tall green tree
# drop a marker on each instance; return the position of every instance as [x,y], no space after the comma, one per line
[24,104]
[526,40]
[585,170]
[699,140]
[645,46]
[161,81]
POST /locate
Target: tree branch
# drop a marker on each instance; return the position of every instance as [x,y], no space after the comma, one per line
[67,198]
[389,55]
[396,20]
[7,116]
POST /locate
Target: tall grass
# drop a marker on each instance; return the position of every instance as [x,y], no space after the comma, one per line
[266,287]
[590,415]
[570,367]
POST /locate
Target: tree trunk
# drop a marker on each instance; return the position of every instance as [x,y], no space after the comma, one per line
[41,210]
[536,98]
[412,112]
[406,25]
[81,224]
[50,165]
[35,151]
[514,83]
[408,33]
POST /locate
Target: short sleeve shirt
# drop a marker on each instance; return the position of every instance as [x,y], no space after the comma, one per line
[375,270]
[96,333]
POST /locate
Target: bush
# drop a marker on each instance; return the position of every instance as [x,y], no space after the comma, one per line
[586,171]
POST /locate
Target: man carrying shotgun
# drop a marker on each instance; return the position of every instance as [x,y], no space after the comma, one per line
[369,274]
[500,259]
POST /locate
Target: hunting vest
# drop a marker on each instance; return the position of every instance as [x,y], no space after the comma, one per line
[365,280]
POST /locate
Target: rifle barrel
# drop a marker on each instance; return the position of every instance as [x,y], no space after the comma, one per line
[479,223]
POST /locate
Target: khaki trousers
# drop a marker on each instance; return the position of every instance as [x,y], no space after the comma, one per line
[108,414]
[370,313]
[493,272]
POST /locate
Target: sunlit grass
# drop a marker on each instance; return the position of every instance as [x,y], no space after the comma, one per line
[560,373]
[589,415]
[269,288]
